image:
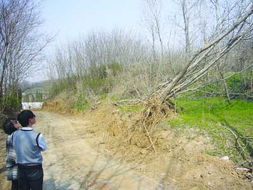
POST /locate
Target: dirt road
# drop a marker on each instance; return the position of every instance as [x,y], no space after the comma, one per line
[70,163]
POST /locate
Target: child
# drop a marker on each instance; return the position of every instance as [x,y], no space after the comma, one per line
[9,127]
[28,145]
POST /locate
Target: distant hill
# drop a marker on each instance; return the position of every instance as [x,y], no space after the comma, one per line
[28,87]
[35,91]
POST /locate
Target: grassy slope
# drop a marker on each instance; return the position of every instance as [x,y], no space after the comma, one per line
[219,120]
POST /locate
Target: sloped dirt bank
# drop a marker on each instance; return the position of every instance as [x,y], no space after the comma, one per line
[179,161]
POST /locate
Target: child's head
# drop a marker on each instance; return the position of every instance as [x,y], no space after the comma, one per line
[9,127]
[26,118]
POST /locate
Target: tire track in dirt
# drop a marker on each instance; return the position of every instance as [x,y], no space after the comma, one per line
[70,163]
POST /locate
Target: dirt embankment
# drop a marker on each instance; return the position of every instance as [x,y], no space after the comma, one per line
[4,184]
[179,161]
[101,149]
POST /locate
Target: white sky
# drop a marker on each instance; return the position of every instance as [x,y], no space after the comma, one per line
[68,20]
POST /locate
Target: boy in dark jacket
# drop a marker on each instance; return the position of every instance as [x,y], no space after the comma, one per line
[28,145]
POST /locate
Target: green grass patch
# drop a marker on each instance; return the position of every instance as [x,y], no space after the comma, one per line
[114,98]
[217,118]
[102,96]
[81,104]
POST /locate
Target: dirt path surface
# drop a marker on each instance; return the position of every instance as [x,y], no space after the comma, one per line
[70,162]
[76,159]
[4,184]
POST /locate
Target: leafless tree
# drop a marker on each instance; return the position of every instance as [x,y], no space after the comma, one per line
[204,59]
[20,42]
[75,61]
[153,22]
[115,46]
[188,11]
[186,19]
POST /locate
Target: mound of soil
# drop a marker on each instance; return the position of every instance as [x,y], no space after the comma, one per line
[178,161]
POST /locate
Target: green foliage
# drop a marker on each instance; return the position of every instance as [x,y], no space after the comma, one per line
[130,108]
[26,98]
[61,85]
[218,118]
[102,96]
[2,119]
[38,97]
[236,84]
[239,86]
[104,70]
[99,79]
[97,72]
[37,92]
[98,85]
[114,98]
[11,101]
[81,104]
[115,68]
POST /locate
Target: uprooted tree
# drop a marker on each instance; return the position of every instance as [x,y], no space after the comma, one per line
[201,61]
[159,102]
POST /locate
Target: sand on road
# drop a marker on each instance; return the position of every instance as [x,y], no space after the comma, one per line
[70,162]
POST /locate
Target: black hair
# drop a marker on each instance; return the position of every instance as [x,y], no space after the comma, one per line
[24,116]
[8,126]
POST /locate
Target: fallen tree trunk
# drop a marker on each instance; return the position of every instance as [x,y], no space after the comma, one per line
[159,105]
[197,66]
